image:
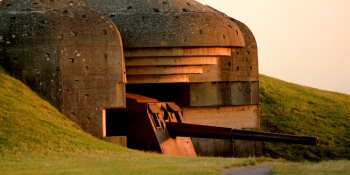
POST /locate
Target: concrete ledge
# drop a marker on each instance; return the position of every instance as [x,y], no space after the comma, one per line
[238,117]
[118,140]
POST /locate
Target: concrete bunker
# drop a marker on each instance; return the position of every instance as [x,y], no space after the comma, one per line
[175,51]
[191,54]
[202,64]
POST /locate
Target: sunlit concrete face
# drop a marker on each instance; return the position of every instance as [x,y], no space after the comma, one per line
[67,53]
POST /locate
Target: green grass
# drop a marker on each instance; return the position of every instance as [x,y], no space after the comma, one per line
[294,109]
[340,167]
[36,139]
[115,162]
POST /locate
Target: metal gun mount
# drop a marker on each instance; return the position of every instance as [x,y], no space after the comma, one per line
[159,126]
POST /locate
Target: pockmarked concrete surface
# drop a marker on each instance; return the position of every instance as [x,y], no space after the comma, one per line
[263,169]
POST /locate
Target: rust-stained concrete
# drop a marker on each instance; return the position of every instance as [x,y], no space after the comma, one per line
[67,53]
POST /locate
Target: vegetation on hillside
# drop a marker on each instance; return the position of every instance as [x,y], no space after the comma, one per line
[333,167]
[293,109]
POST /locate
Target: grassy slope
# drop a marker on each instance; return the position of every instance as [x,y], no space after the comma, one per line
[294,109]
[36,139]
[339,167]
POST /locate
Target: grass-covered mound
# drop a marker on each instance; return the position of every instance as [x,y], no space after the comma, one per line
[294,109]
[36,139]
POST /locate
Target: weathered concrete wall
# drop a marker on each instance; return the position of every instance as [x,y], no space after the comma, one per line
[224,93]
[169,23]
[236,87]
[242,65]
[238,117]
[225,116]
[67,53]
[118,140]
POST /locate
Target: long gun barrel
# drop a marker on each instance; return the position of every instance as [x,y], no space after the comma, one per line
[202,131]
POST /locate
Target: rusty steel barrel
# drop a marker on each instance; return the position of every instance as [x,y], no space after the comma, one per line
[202,131]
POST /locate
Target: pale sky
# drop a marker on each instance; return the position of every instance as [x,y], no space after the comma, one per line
[301,41]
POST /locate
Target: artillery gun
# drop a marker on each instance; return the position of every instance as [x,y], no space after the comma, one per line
[159,127]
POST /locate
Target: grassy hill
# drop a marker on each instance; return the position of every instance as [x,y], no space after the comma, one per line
[294,109]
